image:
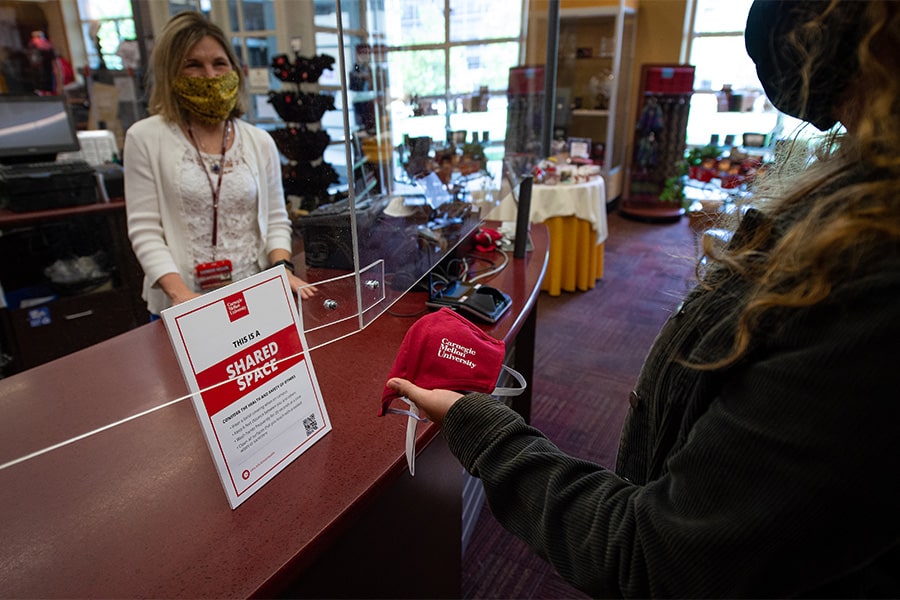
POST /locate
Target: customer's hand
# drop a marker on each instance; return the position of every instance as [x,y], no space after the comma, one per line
[433,403]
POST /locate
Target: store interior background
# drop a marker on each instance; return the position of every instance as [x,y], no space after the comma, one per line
[443,76]
[704,33]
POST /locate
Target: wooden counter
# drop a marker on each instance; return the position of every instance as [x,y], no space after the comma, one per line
[138,510]
[10,218]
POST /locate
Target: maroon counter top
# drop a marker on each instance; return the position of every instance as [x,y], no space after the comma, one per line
[138,510]
[10,218]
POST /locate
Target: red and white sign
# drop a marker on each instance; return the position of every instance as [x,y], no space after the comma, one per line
[242,353]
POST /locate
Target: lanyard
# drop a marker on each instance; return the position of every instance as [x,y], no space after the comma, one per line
[220,169]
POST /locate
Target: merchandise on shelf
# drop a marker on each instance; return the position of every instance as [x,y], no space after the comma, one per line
[306,176]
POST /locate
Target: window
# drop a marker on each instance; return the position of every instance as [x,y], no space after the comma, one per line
[105,25]
[437,80]
[176,6]
[474,20]
[449,64]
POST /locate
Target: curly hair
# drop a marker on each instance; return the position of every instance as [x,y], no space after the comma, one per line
[178,36]
[841,214]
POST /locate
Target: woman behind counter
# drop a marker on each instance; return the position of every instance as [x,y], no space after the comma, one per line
[203,190]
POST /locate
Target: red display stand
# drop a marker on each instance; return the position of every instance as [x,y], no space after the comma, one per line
[659,142]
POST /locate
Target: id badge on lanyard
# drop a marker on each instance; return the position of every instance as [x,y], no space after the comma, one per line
[212,275]
[218,273]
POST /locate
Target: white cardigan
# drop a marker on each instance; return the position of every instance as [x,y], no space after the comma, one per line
[153,201]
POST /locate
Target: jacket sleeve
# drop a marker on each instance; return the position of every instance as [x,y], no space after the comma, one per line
[142,203]
[786,484]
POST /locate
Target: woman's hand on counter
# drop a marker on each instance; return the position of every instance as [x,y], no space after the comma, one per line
[175,288]
[301,287]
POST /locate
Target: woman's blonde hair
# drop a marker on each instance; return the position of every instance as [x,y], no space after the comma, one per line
[843,209]
[173,44]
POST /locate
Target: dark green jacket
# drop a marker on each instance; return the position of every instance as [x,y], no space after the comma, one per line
[777,477]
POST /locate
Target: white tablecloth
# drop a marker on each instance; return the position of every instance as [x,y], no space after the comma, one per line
[576,217]
[586,201]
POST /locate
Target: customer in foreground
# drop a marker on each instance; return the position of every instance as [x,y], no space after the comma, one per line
[759,457]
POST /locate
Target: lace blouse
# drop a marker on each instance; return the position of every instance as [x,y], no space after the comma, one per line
[238,238]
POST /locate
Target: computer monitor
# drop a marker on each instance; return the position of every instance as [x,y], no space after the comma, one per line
[35,128]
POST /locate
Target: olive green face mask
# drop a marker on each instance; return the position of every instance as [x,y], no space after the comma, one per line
[209,99]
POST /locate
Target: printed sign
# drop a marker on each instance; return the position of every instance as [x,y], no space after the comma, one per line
[243,354]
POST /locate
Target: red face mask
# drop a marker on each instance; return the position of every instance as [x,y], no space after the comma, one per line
[444,350]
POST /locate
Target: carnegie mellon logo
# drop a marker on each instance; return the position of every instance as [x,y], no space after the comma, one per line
[236,307]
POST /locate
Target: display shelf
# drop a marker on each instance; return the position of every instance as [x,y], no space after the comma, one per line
[585,62]
[596,52]
[660,134]
[589,112]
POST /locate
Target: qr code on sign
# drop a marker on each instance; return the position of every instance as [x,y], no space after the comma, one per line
[310,424]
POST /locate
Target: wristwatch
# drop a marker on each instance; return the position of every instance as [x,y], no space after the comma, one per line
[287,264]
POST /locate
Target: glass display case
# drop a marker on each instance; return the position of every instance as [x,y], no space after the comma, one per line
[596,50]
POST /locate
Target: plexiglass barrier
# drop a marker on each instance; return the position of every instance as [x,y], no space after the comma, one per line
[399,209]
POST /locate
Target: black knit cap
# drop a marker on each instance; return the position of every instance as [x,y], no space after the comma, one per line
[779,64]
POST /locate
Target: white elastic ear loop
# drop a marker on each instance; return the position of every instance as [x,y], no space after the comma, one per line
[411,426]
[412,423]
[414,418]
[511,391]
[402,411]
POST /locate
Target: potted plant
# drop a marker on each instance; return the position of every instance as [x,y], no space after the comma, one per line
[673,187]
